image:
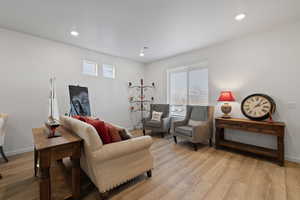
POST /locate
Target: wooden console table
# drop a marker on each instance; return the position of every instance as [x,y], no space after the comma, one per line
[53,149]
[262,127]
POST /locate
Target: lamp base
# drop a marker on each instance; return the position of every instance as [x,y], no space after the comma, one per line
[226,109]
[226,116]
[56,134]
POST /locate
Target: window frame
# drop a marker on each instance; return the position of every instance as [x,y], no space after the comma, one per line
[187,69]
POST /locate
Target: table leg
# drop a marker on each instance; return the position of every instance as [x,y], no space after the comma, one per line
[35,161]
[75,178]
[280,149]
[45,184]
[219,136]
[75,158]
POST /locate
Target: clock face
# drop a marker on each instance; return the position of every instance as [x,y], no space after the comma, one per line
[258,106]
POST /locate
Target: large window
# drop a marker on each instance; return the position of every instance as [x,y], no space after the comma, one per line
[187,86]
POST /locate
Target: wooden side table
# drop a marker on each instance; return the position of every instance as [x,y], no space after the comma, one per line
[49,150]
[262,127]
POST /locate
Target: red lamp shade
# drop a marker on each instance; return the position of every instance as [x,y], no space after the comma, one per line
[226,96]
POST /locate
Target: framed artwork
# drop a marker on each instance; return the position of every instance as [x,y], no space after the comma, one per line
[79,100]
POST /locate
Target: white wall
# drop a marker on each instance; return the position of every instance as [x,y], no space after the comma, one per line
[267,62]
[26,64]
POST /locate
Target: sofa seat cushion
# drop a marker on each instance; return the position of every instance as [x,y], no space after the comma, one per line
[184,130]
[153,123]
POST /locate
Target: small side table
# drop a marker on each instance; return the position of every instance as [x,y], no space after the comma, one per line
[262,127]
[49,150]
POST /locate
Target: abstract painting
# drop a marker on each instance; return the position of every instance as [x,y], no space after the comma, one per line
[79,99]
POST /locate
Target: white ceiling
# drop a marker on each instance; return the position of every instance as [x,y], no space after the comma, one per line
[123,27]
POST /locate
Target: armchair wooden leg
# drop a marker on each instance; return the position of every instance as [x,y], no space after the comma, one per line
[144,131]
[149,173]
[175,139]
[3,155]
[162,135]
[35,162]
[195,146]
[210,142]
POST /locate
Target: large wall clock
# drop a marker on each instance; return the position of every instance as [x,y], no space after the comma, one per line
[258,106]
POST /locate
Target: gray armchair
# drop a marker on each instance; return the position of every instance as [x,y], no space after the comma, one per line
[197,127]
[162,126]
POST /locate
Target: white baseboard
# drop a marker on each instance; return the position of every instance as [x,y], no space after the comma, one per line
[19,151]
[28,149]
[292,159]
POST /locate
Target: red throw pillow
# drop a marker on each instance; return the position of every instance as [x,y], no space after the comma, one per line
[81,118]
[114,133]
[101,129]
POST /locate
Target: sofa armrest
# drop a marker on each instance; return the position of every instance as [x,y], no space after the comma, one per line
[119,149]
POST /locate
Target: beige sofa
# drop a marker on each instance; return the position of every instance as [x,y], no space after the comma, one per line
[112,164]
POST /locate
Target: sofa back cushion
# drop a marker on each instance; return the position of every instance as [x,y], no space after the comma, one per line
[114,132]
[164,108]
[86,131]
[102,130]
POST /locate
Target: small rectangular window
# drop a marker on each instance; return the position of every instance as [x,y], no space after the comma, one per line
[90,68]
[108,71]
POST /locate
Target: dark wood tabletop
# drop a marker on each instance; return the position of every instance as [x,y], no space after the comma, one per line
[41,140]
[251,121]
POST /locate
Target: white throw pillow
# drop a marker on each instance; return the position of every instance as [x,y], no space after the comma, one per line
[156,116]
[194,123]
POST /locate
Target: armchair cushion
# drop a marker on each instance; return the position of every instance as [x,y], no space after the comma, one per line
[156,116]
[185,130]
[199,113]
[153,123]
[194,123]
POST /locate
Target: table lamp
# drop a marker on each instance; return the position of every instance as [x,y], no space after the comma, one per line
[226,96]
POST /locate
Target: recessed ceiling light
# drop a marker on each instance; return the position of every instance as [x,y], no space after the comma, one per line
[240,17]
[142,52]
[74,33]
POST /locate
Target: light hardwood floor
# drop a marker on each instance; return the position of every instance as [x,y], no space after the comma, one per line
[180,173]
